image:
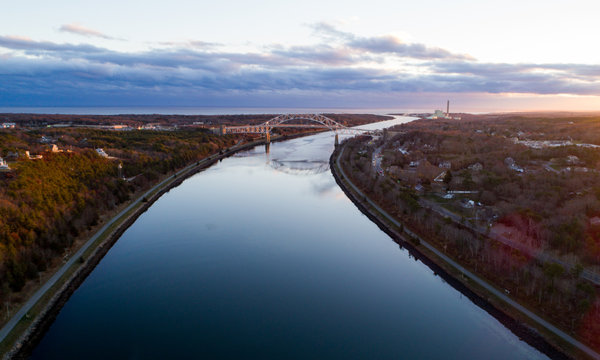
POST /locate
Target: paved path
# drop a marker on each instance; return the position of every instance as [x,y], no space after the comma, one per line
[472,276]
[45,287]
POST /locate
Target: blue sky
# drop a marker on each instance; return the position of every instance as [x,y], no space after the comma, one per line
[484,55]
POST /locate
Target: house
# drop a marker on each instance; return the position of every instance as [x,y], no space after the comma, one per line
[419,188]
[572,159]
[510,162]
[467,204]
[53,148]
[476,167]
[3,165]
[440,177]
[445,165]
[33,157]
[46,140]
[101,152]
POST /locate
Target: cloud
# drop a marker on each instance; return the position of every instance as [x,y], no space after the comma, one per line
[78,29]
[21,43]
[385,44]
[358,69]
[196,44]
[392,45]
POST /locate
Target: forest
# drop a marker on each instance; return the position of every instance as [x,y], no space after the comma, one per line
[45,204]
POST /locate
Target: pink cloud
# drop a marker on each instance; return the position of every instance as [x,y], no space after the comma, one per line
[83,31]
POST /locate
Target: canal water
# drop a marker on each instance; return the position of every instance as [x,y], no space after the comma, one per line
[263,256]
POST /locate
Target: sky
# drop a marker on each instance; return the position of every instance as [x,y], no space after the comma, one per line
[410,55]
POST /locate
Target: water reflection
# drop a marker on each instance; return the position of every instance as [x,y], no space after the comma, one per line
[300,167]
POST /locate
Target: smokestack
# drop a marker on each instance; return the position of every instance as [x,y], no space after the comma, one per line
[448,108]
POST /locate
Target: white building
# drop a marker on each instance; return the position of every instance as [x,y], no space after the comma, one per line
[8,125]
[32,157]
[101,152]
[510,162]
[445,165]
[476,167]
[572,159]
[3,165]
[440,177]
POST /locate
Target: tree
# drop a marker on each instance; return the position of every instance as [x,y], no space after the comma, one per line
[467,182]
[553,270]
[448,177]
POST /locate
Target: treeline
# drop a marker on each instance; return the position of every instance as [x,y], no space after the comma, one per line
[169,120]
[45,204]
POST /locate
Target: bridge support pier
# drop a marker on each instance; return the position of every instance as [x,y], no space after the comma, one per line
[337,139]
[268,137]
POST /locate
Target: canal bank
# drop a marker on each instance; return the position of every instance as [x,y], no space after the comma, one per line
[29,324]
[493,301]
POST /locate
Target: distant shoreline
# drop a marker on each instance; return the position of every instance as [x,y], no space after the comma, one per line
[193,110]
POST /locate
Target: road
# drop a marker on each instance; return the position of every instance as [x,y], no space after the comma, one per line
[377,158]
[470,275]
[7,328]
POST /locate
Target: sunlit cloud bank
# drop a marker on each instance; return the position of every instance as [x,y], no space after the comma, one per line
[339,69]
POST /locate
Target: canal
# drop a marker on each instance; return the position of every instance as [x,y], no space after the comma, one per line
[263,256]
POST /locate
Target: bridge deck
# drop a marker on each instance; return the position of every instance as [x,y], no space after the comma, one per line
[321,121]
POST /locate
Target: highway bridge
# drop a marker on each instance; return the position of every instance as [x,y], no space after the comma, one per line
[317,121]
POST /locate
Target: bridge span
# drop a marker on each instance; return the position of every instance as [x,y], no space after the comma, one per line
[320,122]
